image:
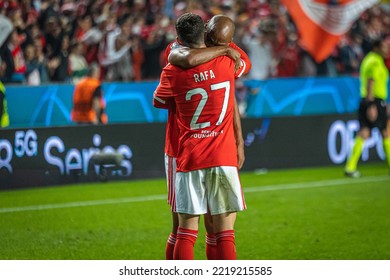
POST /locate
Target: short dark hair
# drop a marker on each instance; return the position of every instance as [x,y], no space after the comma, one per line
[190,29]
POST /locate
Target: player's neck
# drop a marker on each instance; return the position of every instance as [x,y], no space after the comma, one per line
[201,46]
[197,45]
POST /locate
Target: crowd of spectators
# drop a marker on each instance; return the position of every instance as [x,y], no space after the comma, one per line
[55,41]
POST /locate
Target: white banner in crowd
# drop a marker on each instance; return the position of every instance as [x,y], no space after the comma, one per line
[6,28]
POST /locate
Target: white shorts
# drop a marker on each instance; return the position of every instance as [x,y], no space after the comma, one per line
[217,189]
[170,172]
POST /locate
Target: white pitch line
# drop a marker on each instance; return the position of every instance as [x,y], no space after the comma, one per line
[82,203]
[303,185]
[316,184]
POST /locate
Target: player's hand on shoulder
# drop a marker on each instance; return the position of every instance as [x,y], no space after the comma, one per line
[240,155]
[236,56]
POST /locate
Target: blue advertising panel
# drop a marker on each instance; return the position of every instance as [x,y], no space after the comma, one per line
[50,105]
[303,96]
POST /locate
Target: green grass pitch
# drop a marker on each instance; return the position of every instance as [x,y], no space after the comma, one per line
[297,214]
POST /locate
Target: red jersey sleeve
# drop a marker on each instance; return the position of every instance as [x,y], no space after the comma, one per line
[246,64]
[173,45]
[163,100]
[163,94]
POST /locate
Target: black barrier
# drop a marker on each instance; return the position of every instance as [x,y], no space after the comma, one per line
[60,155]
[291,142]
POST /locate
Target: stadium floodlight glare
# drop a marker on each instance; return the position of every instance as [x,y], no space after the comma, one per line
[106,162]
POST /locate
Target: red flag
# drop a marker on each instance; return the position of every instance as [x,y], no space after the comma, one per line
[321,23]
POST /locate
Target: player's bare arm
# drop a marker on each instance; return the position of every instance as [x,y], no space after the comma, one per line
[238,136]
[97,108]
[186,57]
[370,86]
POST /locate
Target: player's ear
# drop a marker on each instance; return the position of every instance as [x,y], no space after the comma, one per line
[178,40]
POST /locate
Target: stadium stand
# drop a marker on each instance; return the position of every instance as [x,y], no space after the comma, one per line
[53,41]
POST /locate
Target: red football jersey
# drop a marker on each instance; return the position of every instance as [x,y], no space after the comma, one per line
[172,129]
[204,97]
[171,132]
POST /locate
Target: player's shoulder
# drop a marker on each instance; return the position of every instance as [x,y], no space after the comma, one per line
[172,46]
[232,45]
[223,62]
[172,70]
[221,66]
[175,45]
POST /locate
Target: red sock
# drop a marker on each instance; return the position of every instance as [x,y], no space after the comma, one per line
[170,247]
[211,247]
[185,241]
[226,248]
